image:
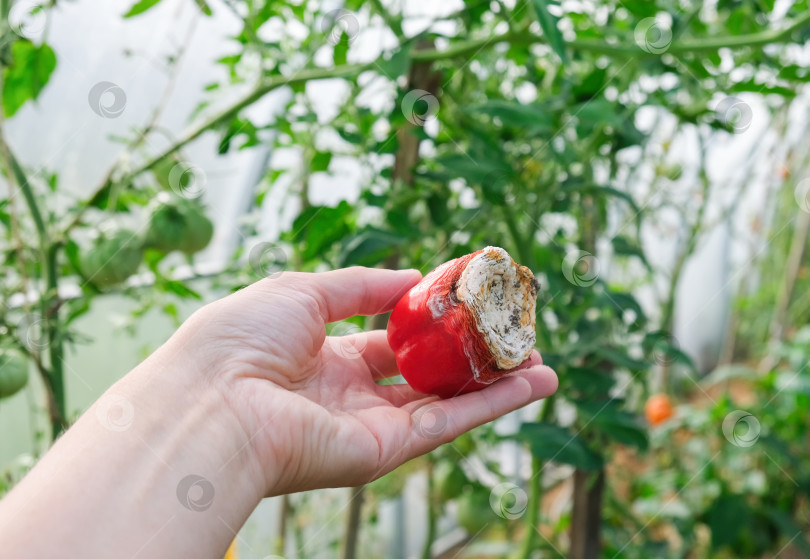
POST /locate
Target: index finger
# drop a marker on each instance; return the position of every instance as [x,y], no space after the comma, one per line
[357,291]
[441,421]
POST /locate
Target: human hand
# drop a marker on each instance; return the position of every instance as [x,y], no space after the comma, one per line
[309,404]
[248,399]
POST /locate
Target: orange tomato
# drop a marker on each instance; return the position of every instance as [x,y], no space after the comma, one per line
[658,409]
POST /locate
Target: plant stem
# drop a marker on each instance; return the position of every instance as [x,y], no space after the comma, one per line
[260,91]
[431,510]
[619,49]
[394,22]
[459,48]
[695,231]
[56,348]
[18,177]
[49,300]
[535,488]
[798,248]
[353,522]
[284,515]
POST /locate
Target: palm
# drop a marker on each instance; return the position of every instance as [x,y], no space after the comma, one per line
[316,398]
[344,422]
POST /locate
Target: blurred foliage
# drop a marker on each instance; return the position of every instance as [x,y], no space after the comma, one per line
[728,475]
[518,124]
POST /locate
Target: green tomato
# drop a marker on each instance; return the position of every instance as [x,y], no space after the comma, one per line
[112,258]
[474,510]
[161,171]
[199,230]
[167,227]
[450,480]
[179,225]
[13,372]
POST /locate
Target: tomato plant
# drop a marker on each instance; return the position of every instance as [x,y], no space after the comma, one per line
[582,139]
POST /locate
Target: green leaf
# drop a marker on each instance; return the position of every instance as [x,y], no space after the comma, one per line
[461,165]
[341,49]
[369,247]
[591,85]
[239,128]
[662,347]
[623,302]
[620,358]
[640,8]
[752,86]
[180,289]
[586,383]
[319,227]
[171,310]
[320,161]
[534,118]
[350,136]
[548,23]
[596,113]
[623,246]
[620,425]
[437,206]
[72,253]
[558,444]
[789,528]
[27,75]
[605,191]
[153,258]
[795,72]
[203,6]
[5,217]
[140,7]
[397,64]
[726,517]
[76,308]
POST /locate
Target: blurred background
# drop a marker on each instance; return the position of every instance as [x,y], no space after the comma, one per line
[648,160]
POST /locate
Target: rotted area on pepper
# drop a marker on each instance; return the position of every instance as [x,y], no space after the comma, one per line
[466,324]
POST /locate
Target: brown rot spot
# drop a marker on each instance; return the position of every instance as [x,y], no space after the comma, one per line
[514,318]
[501,296]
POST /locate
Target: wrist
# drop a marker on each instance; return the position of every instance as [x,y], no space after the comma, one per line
[159,460]
[181,404]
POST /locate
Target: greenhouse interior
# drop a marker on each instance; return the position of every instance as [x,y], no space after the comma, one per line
[397,279]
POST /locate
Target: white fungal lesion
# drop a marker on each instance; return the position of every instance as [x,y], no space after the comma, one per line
[502,297]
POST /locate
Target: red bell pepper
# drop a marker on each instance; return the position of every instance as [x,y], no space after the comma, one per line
[468,323]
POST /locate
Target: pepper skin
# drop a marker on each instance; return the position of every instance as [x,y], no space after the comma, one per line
[458,332]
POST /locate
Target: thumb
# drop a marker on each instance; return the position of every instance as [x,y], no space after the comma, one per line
[355,291]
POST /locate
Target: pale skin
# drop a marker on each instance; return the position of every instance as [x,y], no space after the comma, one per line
[252,396]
